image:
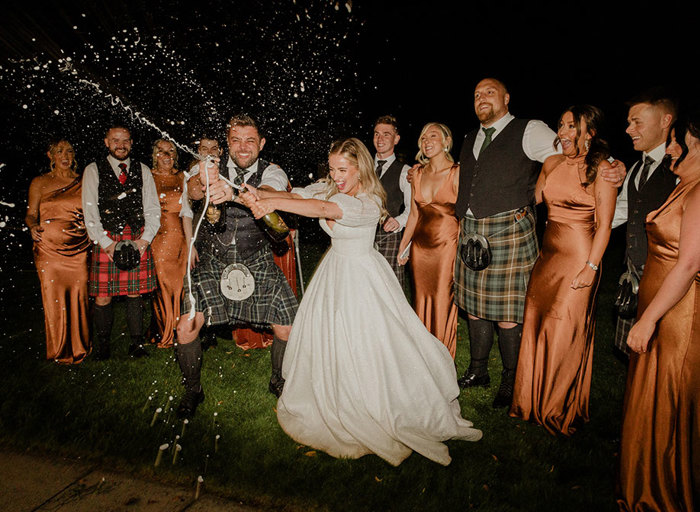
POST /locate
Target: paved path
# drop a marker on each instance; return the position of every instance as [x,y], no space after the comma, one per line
[33,482]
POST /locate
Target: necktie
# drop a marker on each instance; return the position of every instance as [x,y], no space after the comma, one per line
[238,180]
[489,133]
[380,166]
[644,173]
[122,176]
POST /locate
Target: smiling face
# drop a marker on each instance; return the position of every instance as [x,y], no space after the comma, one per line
[208,147]
[385,139]
[165,156]
[567,134]
[344,173]
[490,101]
[432,142]
[118,141]
[244,145]
[647,126]
[62,156]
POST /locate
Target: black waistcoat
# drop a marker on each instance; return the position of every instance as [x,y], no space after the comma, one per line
[502,179]
[639,203]
[119,204]
[240,223]
[390,182]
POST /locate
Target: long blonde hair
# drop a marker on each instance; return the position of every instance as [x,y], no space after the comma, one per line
[446,141]
[155,153]
[356,152]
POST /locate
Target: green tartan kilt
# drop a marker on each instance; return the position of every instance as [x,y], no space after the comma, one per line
[497,293]
[272,302]
[622,329]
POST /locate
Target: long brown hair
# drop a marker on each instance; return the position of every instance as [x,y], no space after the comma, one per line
[598,149]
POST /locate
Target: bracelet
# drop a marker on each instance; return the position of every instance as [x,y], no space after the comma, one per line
[594,267]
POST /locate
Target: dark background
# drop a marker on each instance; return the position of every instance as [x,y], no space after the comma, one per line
[313,71]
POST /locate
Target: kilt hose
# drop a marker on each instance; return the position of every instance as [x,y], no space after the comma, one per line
[106,280]
[497,293]
[388,246]
[272,302]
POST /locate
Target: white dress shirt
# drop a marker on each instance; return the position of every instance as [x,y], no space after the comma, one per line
[274,177]
[91,210]
[404,185]
[621,205]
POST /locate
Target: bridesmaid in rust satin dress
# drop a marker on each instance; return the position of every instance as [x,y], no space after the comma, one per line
[169,247]
[660,443]
[61,247]
[433,229]
[553,378]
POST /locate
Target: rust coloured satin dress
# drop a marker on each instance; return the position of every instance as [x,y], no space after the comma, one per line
[660,442]
[433,252]
[170,258]
[61,259]
[553,379]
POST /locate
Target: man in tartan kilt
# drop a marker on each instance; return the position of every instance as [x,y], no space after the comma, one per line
[243,242]
[647,186]
[499,165]
[393,176]
[120,202]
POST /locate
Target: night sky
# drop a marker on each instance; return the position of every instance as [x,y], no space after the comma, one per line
[313,71]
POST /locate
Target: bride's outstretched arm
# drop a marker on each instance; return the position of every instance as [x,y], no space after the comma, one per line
[306,207]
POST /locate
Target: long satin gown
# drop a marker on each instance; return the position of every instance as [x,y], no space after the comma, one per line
[61,259]
[363,374]
[170,258]
[660,443]
[553,379]
[433,252]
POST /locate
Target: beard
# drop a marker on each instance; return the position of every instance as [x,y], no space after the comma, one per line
[121,159]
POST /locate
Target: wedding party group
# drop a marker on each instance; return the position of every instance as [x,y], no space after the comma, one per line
[357,367]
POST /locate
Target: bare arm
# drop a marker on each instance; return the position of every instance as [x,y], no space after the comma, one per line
[32,217]
[187,229]
[678,280]
[605,195]
[410,228]
[306,207]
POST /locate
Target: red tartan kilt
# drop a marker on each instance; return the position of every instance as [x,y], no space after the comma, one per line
[106,280]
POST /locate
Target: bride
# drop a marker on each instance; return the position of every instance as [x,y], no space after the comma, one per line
[363,375]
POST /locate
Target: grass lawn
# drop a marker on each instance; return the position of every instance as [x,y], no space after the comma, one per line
[106,411]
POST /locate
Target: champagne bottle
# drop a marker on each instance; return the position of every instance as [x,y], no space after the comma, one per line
[273,224]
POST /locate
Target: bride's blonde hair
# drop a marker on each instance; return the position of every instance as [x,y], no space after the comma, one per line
[356,152]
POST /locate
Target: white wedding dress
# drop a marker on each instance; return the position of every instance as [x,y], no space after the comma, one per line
[363,375]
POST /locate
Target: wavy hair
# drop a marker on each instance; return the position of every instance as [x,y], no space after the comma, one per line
[155,153]
[598,149]
[356,152]
[53,147]
[446,142]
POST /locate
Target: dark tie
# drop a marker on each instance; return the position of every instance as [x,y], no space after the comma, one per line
[488,132]
[122,176]
[644,173]
[380,166]
[238,180]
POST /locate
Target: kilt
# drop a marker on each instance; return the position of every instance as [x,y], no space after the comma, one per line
[622,329]
[388,246]
[272,302]
[106,280]
[497,293]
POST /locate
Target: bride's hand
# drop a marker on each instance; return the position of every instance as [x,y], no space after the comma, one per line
[261,207]
[252,190]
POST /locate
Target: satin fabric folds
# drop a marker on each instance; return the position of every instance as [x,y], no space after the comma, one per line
[553,379]
[61,262]
[660,442]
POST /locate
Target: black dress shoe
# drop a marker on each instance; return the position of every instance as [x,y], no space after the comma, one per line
[137,350]
[471,380]
[504,396]
[188,404]
[276,387]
